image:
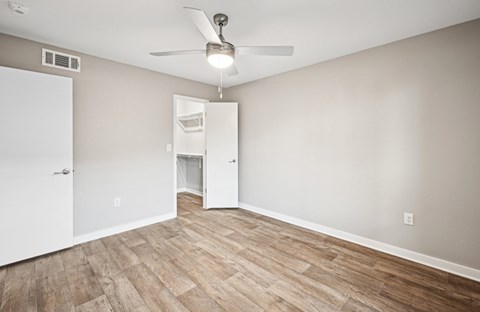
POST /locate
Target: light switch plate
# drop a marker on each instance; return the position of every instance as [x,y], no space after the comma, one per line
[169,147]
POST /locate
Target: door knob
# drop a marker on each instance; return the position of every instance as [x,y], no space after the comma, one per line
[232,161]
[64,171]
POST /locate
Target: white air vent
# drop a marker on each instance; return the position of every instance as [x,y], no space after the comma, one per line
[60,60]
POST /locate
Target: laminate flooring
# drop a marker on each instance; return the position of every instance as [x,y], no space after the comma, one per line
[227,260]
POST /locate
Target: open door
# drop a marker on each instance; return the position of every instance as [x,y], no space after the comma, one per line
[36,185]
[221,165]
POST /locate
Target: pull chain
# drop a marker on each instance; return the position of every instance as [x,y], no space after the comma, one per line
[220,88]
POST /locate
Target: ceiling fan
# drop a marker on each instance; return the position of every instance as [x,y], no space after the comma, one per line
[219,52]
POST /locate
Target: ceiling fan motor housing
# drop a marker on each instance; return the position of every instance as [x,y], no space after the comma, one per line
[225,49]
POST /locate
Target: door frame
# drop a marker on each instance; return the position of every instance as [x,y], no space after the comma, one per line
[178,97]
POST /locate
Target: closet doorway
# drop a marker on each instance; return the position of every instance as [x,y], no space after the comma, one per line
[206,150]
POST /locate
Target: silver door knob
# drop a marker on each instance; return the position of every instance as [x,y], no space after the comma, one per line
[232,161]
[64,171]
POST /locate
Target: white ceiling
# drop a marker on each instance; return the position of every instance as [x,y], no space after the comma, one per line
[126,31]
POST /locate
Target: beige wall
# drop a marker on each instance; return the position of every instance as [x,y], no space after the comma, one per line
[122,123]
[354,142]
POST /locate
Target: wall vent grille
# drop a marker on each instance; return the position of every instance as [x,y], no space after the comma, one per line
[60,60]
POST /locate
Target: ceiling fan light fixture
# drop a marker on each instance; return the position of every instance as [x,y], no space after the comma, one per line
[220,60]
[220,56]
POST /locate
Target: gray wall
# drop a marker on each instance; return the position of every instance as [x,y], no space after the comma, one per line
[354,142]
[181,172]
[122,123]
[189,173]
[194,174]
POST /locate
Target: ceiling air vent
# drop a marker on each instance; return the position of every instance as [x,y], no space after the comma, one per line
[60,60]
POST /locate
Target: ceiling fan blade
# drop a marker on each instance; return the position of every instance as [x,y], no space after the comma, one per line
[272,50]
[184,52]
[200,19]
[230,71]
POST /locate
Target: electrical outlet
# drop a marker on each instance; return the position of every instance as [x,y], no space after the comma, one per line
[408,218]
[117,202]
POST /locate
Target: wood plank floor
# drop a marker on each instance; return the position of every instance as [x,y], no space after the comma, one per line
[228,260]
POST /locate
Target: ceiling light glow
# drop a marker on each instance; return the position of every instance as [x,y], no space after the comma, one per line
[220,60]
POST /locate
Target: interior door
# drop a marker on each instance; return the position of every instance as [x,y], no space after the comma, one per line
[36,185]
[221,144]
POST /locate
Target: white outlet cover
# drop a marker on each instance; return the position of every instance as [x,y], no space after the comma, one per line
[169,147]
[117,202]
[408,218]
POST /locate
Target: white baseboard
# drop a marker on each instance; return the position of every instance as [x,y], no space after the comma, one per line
[189,190]
[121,228]
[437,263]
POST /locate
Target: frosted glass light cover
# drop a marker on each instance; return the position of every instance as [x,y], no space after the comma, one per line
[220,60]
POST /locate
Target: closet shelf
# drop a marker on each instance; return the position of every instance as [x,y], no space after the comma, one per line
[190,129]
[191,123]
[190,155]
[193,116]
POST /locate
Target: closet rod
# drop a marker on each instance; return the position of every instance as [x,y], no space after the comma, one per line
[189,156]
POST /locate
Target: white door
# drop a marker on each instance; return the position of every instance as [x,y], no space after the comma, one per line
[221,144]
[36,206]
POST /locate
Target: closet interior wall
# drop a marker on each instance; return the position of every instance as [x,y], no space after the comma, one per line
[190,146]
